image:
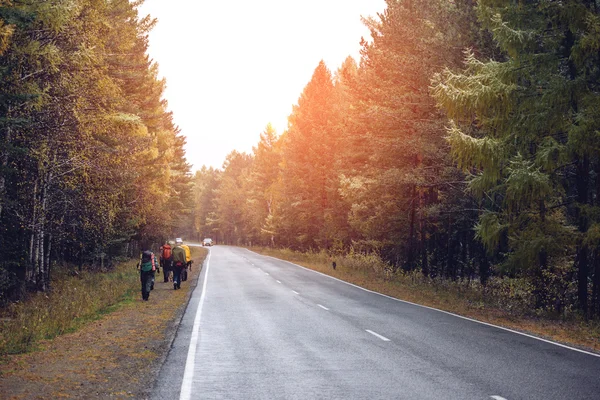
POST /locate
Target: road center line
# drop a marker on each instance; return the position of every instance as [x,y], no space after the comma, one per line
[278,282]
[323,307]
[266,273]
[434,309]
[188,374]
[378,335]
[295,292]
[497,397]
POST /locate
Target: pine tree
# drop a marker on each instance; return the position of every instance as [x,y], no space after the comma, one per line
[400,191]
[264,196]
[231,198]
[309,154]
[206,184]
[525,127]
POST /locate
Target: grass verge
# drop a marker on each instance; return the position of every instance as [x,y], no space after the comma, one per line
[502,302]
[116,354]
[73,301]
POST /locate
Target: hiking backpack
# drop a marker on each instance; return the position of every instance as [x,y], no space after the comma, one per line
[179,258]
[166,253]
[146,262]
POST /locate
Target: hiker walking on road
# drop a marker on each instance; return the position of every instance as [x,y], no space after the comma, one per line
[147,266]
[188,262]
[178,264]
[165,260]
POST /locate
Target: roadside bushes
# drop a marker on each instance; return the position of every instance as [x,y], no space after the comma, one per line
[364,263]
[515,296]
[74,299]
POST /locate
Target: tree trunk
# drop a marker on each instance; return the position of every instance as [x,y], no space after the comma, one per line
[450,262]
[484,266]
[595,309]
[33,247]
[582,182]
[4,160]
[424,260]
[410,258]
[47,261]
[582,277]
[463,254]
[42,283]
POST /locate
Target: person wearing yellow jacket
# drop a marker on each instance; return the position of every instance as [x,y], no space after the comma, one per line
[188,262]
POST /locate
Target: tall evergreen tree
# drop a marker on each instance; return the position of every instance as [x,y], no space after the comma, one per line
[526,127]
[309,153]
[231,198]
[402,189]
[264,197]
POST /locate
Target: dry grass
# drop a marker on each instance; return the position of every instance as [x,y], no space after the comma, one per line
[468,300]
[73,300]
[115,355]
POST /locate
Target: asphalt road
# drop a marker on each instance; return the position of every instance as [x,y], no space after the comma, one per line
[261,328]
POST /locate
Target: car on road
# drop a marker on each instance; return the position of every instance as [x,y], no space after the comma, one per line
[207,242]
[178,241]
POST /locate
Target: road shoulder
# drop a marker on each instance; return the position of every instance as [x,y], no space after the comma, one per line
[118,356]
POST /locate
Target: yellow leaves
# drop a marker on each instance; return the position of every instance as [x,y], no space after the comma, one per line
[592,236]
[130,122]
[85,55]
[6,32]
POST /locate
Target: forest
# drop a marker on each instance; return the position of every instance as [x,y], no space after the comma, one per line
[91,162]
[463,145]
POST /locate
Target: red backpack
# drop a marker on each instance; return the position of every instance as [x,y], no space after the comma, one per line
[166,252]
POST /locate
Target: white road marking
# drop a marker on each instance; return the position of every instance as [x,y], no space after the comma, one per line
[323,307]
[188,374]
[295,292]
[266,273]
[278,282]
[435,309]
[497,397]
[378,335]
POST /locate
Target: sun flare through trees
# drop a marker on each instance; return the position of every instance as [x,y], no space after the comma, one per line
[463,145]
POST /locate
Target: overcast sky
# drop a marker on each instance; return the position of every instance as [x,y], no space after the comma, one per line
[234,66]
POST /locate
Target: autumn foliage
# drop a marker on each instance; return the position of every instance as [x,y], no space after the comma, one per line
[89,156]
[463,144]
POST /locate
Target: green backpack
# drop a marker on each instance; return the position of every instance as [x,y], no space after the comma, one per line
[179,259]
[146,263]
